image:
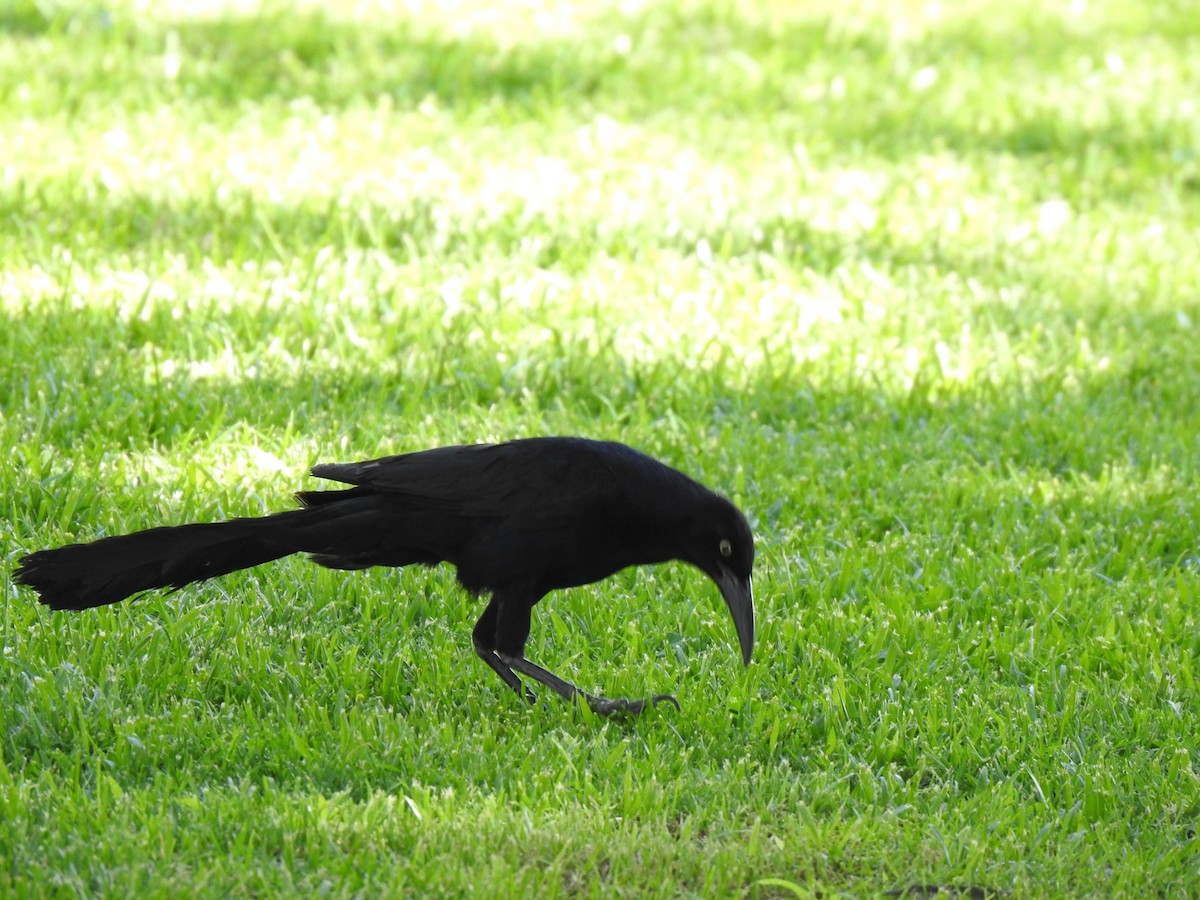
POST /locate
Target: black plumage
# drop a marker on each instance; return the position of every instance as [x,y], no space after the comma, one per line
[517,520]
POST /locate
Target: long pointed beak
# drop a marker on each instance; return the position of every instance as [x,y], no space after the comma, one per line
[739,597]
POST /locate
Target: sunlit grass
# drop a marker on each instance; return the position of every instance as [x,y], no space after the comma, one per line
[915,284]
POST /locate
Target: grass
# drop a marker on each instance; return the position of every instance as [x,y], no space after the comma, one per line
[916,285]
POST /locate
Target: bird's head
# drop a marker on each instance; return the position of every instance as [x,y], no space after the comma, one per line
[719,543]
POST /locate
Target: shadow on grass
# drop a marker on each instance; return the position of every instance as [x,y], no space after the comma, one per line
[1068,416]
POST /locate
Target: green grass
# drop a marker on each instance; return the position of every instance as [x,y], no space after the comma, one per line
[916,285]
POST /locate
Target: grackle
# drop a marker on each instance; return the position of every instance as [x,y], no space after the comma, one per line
[517,519]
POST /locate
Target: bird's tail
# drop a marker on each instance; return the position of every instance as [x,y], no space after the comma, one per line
[80,576]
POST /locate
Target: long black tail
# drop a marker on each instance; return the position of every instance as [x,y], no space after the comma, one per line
[80,576]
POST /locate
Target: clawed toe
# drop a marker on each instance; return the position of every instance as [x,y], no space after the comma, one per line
[619,706]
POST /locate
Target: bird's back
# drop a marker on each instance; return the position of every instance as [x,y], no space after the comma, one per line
[553,512]
[500,480]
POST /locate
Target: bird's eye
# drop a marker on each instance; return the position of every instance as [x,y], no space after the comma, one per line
[726,548]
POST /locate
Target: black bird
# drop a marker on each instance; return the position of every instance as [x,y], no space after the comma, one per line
[517,519]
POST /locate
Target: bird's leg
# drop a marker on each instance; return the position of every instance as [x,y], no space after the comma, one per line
[500,636]
[601,705]
[510,678]
[483,637]
[493,659]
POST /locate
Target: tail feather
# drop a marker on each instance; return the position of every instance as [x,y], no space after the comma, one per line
[80,576]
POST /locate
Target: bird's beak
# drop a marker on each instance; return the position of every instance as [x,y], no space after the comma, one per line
[739,597]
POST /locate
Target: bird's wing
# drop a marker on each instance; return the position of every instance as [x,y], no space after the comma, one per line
[487,480]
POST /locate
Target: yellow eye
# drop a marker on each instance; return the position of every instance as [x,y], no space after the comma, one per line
[726,548]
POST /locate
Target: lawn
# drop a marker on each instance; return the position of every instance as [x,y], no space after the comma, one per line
[916,285]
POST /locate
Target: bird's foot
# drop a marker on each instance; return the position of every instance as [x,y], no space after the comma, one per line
[506,664]
[619,706]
